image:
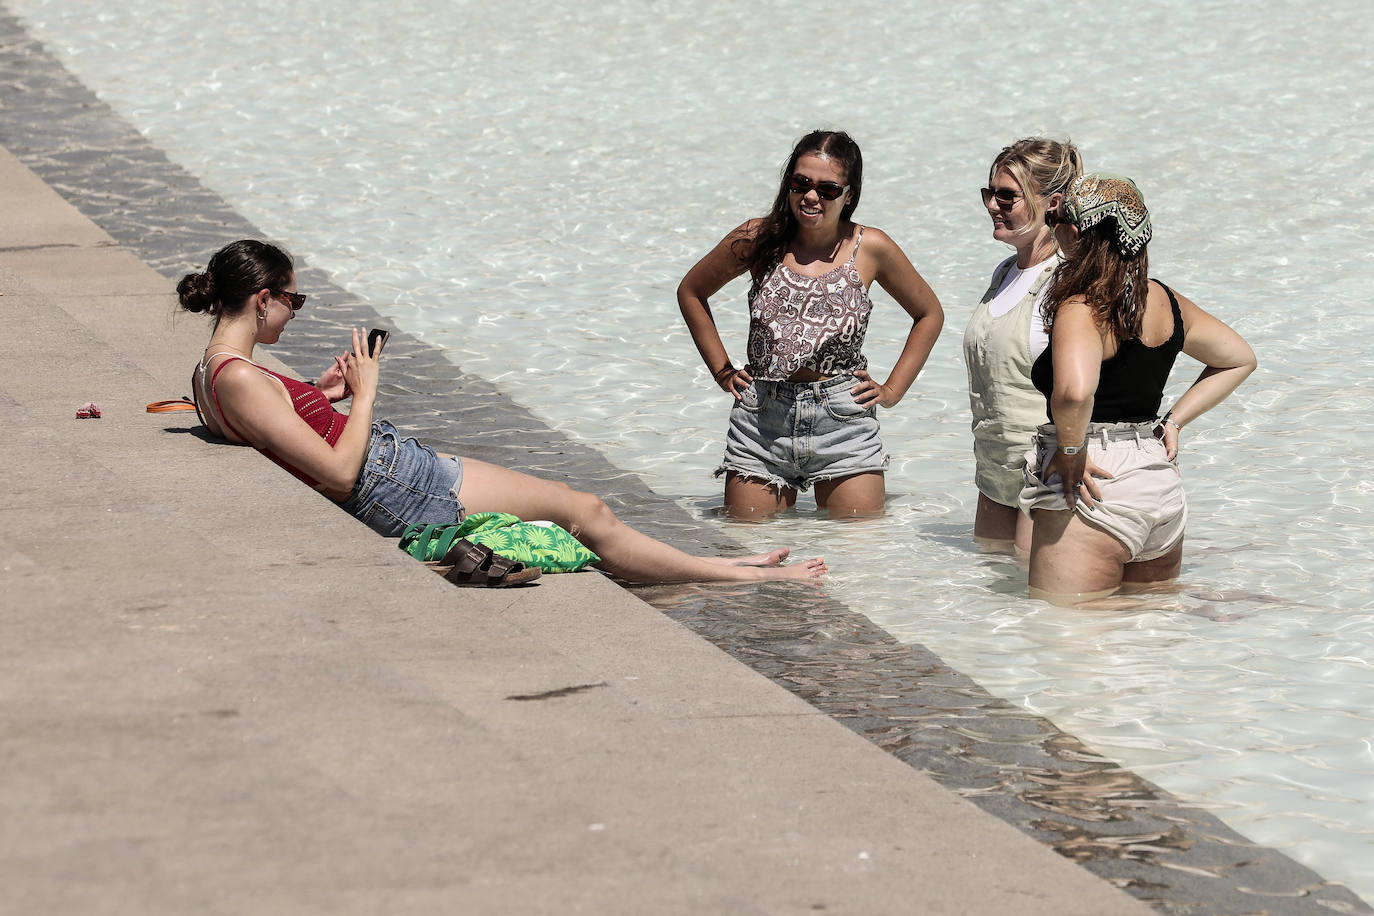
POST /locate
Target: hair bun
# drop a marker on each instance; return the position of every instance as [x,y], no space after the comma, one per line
[197,292]
[235,273]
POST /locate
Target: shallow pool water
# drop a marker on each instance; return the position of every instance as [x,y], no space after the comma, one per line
[524,184]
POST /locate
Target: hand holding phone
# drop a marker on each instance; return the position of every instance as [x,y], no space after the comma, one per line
[376,339]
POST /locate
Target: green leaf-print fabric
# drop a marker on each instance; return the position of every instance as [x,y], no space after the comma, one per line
[541,544]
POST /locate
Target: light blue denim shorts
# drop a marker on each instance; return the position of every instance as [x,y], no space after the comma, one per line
[792,434]
[404,483]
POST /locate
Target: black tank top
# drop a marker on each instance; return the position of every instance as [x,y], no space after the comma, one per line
[1131,385]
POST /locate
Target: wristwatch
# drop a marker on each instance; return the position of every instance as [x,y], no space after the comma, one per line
[1072,450]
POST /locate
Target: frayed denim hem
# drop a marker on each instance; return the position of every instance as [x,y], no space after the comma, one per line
[850,472]
[771,480]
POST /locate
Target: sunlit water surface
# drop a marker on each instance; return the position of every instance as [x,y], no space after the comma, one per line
[523,184]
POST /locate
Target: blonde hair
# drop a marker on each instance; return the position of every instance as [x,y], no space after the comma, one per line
[1041,167]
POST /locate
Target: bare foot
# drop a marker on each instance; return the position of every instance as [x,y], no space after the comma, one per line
[772,558]
[813,568]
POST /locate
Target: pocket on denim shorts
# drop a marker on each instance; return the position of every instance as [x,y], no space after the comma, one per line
[382,520]
[840,404]
[749,399]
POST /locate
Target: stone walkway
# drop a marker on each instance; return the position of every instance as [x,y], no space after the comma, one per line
[99,642]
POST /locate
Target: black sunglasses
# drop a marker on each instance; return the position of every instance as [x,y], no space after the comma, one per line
[1004,196]
[825,190]
[295,300]
[1055,218]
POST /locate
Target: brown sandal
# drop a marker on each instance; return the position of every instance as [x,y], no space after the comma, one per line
[475,566]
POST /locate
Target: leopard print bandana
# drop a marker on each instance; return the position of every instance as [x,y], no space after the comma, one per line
[1096,197]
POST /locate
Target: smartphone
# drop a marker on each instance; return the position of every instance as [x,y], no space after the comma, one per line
[376,339]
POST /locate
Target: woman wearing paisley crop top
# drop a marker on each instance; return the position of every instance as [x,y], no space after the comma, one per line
[384,479]
[805,405]
[1101,484]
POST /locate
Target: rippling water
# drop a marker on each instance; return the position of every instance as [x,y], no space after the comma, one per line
[524,184]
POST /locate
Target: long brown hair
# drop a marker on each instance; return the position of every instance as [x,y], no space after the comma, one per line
[1115,287]
[775,233]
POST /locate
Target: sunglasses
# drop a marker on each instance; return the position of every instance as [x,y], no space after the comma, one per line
[825,190]
[1055,218]
[1005,196]
[295,300]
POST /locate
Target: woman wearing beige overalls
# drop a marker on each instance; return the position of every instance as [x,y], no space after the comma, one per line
[1006,333]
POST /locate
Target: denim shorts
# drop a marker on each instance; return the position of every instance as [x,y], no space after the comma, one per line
[404,483]
[792,434]
[1142,503]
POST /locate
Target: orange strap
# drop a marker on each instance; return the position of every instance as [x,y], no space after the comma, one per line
[169,406]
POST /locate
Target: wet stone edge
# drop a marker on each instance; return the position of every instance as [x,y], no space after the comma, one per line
[1011,763]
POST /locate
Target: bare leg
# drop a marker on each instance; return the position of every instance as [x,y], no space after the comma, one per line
[1023,534]
[997,527]
[1160,569]
[771,558]
[857,494]
[747,498]
[1071,561]
[624,552]
[994,525]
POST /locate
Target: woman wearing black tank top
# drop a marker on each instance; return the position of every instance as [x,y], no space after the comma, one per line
[1102,488]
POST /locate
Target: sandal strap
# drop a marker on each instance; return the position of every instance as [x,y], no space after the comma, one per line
[469,560]
[501,567]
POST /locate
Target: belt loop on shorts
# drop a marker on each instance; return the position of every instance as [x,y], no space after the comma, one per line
[1139,433]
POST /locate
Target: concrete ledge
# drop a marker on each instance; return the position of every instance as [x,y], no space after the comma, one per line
[221,694]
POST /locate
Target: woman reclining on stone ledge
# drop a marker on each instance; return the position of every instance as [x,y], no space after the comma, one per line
[382,478]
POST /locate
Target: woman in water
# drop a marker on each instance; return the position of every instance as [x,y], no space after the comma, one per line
[805,406]
[366,466]
[1006,334]
[1102,489]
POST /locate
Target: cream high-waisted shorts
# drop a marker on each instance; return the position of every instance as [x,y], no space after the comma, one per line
[1142,504]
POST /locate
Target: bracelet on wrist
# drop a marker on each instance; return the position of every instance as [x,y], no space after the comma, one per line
[720,373]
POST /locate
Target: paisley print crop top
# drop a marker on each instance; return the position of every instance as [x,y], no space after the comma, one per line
[817,323]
